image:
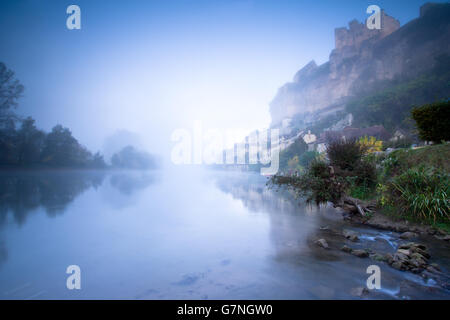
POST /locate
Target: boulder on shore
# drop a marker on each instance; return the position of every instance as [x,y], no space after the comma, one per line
[408,235]
[322,243]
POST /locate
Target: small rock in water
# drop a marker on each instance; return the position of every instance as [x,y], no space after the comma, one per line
[346,249]
[360,253]
[408,235]
[322,243]
[352,236]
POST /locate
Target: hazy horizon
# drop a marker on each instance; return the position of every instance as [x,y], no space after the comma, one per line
[139,70]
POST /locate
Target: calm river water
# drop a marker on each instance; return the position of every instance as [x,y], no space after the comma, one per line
[181,235]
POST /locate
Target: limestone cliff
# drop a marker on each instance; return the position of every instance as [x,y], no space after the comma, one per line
[364,57]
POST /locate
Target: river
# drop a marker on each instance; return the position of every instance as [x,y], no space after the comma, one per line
[182,234]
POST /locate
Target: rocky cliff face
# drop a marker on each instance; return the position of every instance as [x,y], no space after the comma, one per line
[364,57]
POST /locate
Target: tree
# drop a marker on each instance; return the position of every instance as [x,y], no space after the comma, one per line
[293,163]
[295,149]
[98,161]
[30,142]
[29,145]
[307,157]
[130,158]
[10,91]
[345,154]
[433,121]
[60,148]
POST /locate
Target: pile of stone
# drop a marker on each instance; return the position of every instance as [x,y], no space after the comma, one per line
[410,257]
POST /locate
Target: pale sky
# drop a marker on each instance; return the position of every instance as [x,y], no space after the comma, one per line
[150,67]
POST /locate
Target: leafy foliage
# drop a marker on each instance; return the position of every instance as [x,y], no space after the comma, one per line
[307,157]
[433,121]
[130,158]
[296,149]
[401,160]
[29,146]
[423,193]
[324,181]
[10,88]
[316,185]
[370,144]
[391,105]
[344,154]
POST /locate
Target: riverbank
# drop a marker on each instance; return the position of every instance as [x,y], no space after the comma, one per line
[396,197]
[416,249]
[419,256]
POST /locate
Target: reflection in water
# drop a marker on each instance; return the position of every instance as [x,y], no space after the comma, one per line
[320,273]
[21,193]
[292,223]
[190,235]
[130,182]
[3,252]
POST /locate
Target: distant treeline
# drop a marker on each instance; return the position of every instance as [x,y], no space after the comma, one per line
[22,144]
[29,146]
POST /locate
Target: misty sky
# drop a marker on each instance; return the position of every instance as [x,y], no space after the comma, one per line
[149,67]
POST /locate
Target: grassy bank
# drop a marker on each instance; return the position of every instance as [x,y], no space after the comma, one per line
[414,184]
[407,184]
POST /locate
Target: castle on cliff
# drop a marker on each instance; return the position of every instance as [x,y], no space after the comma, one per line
[357,32]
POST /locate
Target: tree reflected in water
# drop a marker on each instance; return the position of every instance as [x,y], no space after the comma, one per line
[22,193]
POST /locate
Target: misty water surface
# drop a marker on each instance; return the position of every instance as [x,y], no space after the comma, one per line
[176,235]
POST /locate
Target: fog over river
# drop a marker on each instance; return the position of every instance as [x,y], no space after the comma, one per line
[181,234]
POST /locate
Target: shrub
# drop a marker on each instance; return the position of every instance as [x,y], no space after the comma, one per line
[433,121]
[370,144]
[422,193]
[316,185]
[307,157]
[293,163]
[366,174]
[295,149]
[345,154]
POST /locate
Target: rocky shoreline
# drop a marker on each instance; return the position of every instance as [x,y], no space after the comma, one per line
[409,230]
[410,256]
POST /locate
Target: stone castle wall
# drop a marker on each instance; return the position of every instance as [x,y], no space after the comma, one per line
[358,32]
